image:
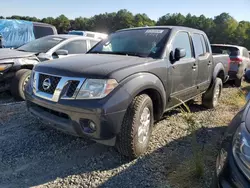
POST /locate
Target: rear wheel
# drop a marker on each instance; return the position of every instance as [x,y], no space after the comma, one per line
[19,83]
[136,128]
[210,99]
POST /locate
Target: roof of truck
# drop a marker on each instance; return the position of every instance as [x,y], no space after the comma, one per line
[165,27]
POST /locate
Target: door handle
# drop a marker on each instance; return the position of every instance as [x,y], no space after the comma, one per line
[194,67]
[209,63]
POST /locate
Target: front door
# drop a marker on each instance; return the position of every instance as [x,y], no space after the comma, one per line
[183,73]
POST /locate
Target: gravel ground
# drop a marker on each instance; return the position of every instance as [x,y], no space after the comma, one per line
[34,155]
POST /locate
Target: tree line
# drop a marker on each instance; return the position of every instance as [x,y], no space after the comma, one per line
[220,29]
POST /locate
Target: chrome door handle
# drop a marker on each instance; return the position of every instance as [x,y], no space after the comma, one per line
[194,67]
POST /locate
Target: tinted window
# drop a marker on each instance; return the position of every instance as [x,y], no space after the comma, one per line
[40,31]
[76,47]
[134,42]
[93,43]
[199,47]
[182,40]
[231,51]
[41,45]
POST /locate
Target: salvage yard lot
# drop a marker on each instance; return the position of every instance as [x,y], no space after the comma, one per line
[33,154]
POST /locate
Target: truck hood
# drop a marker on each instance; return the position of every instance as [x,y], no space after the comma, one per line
[90,65]
[13,54]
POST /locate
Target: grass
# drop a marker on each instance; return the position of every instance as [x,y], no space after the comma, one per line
[199,167]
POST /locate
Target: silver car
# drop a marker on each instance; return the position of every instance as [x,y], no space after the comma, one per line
[16,64]
[239,60]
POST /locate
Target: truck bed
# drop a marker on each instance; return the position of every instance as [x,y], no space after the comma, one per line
[224,59]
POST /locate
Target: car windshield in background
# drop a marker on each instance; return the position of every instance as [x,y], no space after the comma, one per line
[41,45]
[137,42]
[231,51]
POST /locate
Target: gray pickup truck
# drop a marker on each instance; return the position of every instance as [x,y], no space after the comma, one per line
[115,92]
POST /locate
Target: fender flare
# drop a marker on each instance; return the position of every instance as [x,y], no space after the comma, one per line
[217,69]
[135,84]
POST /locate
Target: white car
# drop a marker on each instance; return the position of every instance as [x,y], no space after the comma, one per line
[16,64]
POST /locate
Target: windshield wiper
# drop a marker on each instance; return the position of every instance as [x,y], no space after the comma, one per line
[119,53]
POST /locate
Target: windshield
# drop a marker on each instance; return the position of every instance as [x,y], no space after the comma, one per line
[139,42]
[41,45]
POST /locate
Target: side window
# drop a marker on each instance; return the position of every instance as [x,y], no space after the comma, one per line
[92,43]
[204,44]
[42,31]
[76,47]
[198,46]
[182,40]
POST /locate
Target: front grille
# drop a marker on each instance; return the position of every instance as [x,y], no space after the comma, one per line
[72,88]
[53,83]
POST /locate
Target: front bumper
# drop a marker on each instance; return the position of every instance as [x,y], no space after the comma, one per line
[74,117]
[230,175]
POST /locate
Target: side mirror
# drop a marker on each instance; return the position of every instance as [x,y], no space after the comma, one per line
[179,53]
[62,52]
[247,76]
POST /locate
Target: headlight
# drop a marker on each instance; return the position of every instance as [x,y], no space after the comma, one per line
[4,67]
[96,88]
[241,149]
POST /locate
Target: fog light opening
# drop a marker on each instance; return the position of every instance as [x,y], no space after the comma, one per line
[88,126]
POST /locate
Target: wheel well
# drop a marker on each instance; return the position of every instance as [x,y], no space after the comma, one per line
[221,75]
[157,102]
[27,67]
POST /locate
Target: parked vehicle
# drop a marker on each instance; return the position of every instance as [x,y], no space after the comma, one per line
[239,57]
[115,92]
[16,64]
[233,161]
[16,33]
[95,35]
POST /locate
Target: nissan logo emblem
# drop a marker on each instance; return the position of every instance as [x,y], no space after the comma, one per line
[46,84]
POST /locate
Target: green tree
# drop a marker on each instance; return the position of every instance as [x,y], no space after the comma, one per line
[48,20]
[225,27]
[141,20]
[62,23]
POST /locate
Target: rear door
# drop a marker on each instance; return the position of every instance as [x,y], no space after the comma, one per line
[204,59]
[182,73]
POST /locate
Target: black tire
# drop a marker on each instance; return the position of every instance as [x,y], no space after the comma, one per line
[128,142]
[212,95]
[237,82]
[18,83]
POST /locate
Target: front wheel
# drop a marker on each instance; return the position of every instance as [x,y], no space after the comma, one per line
[19,83]
[133,140]
[210,99]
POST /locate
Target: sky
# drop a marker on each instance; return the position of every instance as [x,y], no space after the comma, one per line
[239,9]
